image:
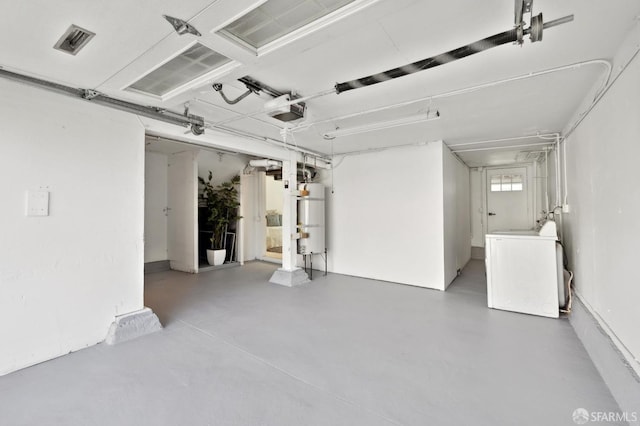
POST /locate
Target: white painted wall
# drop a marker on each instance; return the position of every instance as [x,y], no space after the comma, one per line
[385,217]
[601,232]
[155,204]
[457,222]
[64,277]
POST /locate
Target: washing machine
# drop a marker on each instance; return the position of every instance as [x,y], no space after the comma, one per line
[525,271]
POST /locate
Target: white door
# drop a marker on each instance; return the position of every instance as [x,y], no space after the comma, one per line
[155,207]
[182,199]
[508,200]
[250,216]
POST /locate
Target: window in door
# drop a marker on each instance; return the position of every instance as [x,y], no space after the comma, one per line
[507,183]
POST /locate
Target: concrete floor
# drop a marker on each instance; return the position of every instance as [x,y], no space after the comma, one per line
[339,351]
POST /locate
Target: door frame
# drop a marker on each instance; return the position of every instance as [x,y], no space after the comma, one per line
[531,195]
[262,235]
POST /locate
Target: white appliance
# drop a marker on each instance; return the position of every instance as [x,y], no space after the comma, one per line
[525,271]
[311,218]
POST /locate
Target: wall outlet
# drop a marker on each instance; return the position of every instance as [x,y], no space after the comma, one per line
[566,208]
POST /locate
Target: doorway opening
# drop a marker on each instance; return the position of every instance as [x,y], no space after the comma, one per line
[177,235]
[504,198]
[508,204]
[274,202]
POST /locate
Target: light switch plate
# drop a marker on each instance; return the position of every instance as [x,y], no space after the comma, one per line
[38,203]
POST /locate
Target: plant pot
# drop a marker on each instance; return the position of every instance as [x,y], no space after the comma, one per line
[216,257]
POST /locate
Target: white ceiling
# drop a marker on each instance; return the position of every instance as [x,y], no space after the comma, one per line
[133,38]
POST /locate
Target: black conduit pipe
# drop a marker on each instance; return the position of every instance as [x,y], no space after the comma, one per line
[510,36]
[452,55]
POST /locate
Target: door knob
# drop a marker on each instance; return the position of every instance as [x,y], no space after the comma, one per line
[492,214]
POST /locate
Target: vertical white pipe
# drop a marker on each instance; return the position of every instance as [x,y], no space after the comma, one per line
[546,182]
[560,226]
[564,171]
[558,187]
[261,222]
[242,213]
[289,213]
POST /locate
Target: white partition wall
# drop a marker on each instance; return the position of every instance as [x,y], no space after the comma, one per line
[385,215]
[66,275]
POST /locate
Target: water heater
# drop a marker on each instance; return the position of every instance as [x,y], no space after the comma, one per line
[311,218]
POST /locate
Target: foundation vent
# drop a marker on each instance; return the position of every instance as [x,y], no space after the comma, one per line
[74,39]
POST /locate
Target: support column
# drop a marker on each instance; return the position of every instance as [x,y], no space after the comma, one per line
[289,275]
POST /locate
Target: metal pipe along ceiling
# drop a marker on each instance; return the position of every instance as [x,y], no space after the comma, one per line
[171,117]
[469,89]
[510,36]
[98,98]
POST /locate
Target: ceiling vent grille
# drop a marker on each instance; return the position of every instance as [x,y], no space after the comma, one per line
[74,39]
[193,63]
[274,19]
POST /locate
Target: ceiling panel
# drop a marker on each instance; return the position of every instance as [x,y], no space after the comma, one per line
[124,30]
[133,38]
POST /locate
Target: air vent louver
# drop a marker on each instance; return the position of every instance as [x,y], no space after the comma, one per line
[74,39]
[193,63]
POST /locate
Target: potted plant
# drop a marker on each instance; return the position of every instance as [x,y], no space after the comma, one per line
[222,205]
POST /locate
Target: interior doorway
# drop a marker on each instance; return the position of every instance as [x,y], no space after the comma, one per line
[508,199]
[176,233]
[170,208]
[274,202]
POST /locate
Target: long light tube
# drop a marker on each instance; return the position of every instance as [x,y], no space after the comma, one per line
[380,125]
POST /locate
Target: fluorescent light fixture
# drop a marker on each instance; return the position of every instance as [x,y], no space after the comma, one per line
[380,125]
